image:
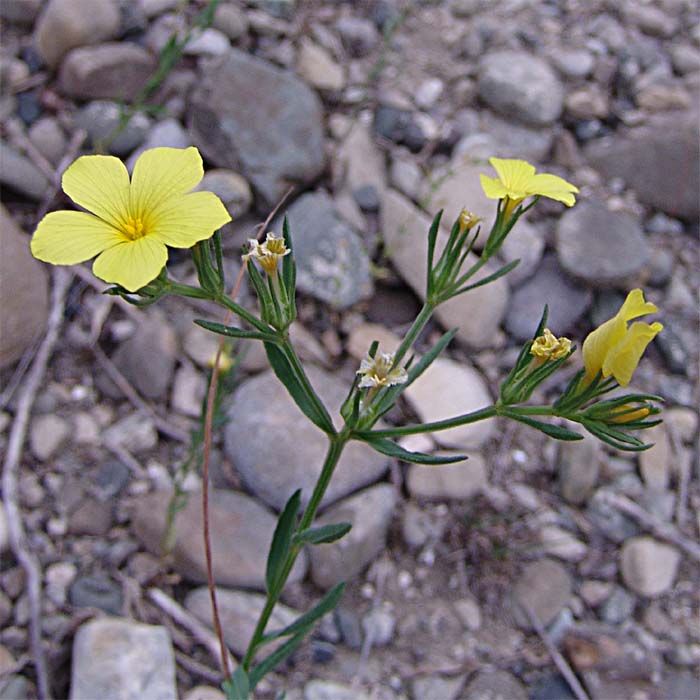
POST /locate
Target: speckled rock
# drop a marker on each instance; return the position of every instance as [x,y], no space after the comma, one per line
[298,444]
[265,123]
[119,659]
[545,588]
[602,247]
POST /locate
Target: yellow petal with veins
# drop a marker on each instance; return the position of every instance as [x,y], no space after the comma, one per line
[132,264]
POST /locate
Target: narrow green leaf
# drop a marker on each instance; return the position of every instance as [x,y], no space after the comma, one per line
[391,449]
[232,331]
[432,237]
[554,431]
[304,623]
[322,534]
[542,323]
[238,686]
[282,540]
[289,272]
[285,373]
[490,278]
[276,658]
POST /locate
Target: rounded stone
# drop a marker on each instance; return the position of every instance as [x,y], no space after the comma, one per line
[544,587]
[648,567]
[602,247]
[494,685]
[521,86]
[276,449]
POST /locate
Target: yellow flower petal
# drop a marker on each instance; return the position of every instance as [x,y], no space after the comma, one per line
[161,174]
[493,187]
[624,357]
[598,343]
[70,237]
[554,187]
[186,219]
[635,306]
[100,184]
[132,264]
[514,174]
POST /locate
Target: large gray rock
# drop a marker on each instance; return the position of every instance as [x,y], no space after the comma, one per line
[550,285]
[370,513]
[277,450]
[241,532]
[119,659]
[23,292]
[261,121]
[113,70]
[602,247]
[332,264]
[65,24]
[100,119]
[520,86]
[660,162]
[477,314]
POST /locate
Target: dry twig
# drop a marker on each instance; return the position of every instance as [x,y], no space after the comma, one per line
[198,630]
[559,660]
[660,529]
[18,537]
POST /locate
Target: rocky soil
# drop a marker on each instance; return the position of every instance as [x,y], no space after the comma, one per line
[379,113]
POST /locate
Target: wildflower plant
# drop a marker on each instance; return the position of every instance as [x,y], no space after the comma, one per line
[131,223]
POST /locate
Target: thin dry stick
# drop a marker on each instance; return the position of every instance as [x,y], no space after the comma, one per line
[123,383]
[208,418]
[660,529]
[18,537]
[558,659]
[198,630]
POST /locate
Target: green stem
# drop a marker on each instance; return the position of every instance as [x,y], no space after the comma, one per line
[481,414]
[414,331]
[237,309]
[335,449]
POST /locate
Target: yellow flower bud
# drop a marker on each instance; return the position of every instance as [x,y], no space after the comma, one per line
[549,347]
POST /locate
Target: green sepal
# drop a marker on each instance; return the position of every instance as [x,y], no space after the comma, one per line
[238,686]
[615,438]
[232,331]
[554,431]
[391,449]
[323,534]
[289,269]
[262,292]
[282,540]
[285,373]
[304,623]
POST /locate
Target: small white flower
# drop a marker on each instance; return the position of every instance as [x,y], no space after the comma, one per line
[267,253]
[377,371]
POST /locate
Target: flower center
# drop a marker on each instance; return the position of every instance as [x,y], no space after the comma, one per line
[134,228]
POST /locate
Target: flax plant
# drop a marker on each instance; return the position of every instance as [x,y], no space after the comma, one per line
[130,223]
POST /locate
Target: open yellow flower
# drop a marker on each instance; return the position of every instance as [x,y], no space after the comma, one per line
[129,223]
[614,348]
[518,180]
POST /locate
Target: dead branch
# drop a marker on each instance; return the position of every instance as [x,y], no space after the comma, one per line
[18,537]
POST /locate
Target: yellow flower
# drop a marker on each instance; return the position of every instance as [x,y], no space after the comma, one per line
[377,371]
[614,348]
[130,221]
[267,253]
[549,347]
[517,180]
